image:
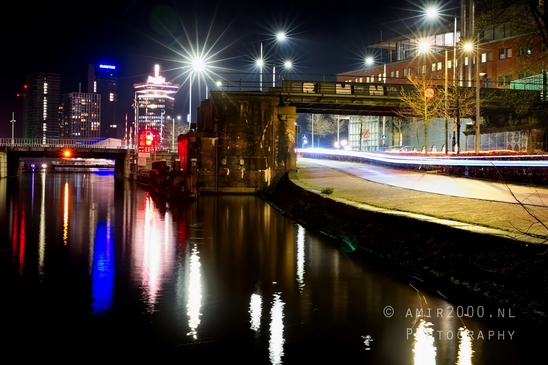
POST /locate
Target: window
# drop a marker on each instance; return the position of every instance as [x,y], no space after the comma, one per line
[436,66]
[394,74]
[407,71]
[487,57]
[505,80]
[421,70]
[505,53]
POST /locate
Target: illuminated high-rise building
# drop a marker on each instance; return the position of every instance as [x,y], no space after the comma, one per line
[154,101]
[102,79]
[81,115]
[41,116]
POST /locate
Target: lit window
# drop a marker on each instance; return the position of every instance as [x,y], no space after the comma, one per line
[487,57]
[505,53]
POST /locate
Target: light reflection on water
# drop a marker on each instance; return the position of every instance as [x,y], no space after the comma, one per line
[220,270]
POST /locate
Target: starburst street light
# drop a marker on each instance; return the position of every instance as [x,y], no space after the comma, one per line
[280,37]
[197,67]
[433,13]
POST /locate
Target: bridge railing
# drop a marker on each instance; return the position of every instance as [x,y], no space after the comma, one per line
[64,142]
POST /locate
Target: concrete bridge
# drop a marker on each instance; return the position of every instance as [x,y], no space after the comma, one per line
[14,151]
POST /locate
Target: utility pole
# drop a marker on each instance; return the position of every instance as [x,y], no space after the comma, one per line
[12,121]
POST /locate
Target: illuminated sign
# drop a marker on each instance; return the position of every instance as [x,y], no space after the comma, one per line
[110,67]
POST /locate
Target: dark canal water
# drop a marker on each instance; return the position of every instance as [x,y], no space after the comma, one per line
[98,265]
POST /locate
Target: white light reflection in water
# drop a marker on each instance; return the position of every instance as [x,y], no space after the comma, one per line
[194,294]
[276,344]
[42,232]
[65,213]
[300,257]
[424,349]
[155,254]
[465,347]
[255,310]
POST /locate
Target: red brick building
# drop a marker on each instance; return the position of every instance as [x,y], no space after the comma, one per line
[505,61]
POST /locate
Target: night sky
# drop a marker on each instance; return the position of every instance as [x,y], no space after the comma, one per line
[324,38]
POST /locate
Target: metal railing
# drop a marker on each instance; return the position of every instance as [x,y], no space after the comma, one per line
[64,142]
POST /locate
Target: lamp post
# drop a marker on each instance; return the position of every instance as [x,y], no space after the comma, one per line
[280,36]
[478,139]
[198,66]
[12,121]
[433,13]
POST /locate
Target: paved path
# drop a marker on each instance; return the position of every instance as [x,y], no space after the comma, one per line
[491,217]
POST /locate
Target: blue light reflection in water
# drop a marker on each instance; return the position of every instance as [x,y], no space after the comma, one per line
[102,275]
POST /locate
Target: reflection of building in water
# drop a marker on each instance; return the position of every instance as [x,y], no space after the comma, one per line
[153,254]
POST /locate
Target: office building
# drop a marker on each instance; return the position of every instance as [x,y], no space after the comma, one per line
[81,115]
[42,100]
[102,79]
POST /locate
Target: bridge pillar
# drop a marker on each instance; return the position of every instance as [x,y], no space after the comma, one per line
[122,166]
[14,167]
[287,116]
[3,164]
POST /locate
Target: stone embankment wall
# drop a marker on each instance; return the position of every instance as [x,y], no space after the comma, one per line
[465,267]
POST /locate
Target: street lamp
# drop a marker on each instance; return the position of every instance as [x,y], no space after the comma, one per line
[433,14]
[198,66]
[369,61]
[478,136]
[280,36]
[12,121]
[173,131]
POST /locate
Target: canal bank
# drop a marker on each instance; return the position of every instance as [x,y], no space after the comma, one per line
[467,250]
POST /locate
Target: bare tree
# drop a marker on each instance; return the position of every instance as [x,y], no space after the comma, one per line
[419,104]
[398,124]
[321,125]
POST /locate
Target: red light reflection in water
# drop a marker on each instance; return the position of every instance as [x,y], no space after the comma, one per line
[65,213]
[18,238]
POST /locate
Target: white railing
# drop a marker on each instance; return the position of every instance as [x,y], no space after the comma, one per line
[65,142]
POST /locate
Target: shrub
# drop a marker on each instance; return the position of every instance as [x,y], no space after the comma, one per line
[327,191]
